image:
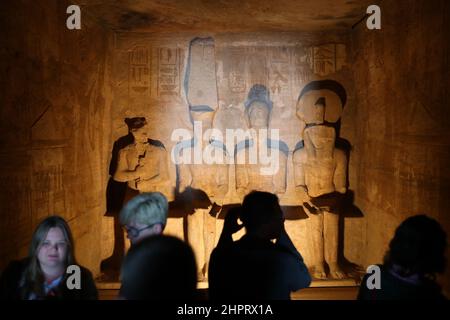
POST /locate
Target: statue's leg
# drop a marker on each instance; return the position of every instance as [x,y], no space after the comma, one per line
[195,237]
[111,265]
[219,227]
[119,240]
[331,236]
[129,194]
[316,224]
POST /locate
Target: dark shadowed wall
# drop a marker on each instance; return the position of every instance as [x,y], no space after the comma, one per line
[402,146]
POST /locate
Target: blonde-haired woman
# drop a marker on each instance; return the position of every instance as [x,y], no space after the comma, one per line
[43,274]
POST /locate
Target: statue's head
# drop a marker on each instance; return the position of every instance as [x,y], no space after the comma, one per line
[320,137]
[258,115]
[321,102]
[137,126]
[258,107]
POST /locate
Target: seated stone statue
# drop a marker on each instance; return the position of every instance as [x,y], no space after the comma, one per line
[205,179]
[260,162]
[320,174]
[143,164]
[320,171]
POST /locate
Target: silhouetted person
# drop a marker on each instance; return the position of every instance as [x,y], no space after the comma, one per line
[415,255]
[254,267]
[159,268]
[42,275]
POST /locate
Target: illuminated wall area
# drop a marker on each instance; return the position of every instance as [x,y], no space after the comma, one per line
[355,122]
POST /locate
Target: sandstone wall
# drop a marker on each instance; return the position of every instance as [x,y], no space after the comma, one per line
[402,145]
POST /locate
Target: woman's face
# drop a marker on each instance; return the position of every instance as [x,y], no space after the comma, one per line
[53,250]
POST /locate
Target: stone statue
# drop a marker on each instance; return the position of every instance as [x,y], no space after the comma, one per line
[209,179]
[138,164]
[143,164]
[200,177]
[253,172]
[320,174]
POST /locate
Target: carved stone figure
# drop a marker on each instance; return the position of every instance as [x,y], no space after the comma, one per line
[143,164]
[138,164]
[260,161]
[210,180]
[320,173]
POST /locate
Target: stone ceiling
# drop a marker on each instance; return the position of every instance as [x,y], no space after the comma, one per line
[225,16]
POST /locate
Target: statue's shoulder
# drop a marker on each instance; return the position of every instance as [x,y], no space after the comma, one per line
[299,154]
[278,144]
[299,145]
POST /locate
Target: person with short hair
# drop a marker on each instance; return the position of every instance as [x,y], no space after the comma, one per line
[144,215]
[43,274]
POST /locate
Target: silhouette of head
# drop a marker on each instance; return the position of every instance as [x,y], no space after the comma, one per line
[418,246]
[262,215]
[159,268]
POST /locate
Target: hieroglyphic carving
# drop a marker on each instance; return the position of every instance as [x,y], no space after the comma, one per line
[280,86]
[236,81]
[139,70]
[302,58]
[168,82]
[327,58]
[236,70]
[279,70]
[47,184]
[256,58]
[233,83]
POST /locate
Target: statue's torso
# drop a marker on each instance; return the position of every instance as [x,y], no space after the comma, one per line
[319,175]
[257,170]
[150,156]
[210,178]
